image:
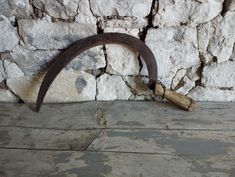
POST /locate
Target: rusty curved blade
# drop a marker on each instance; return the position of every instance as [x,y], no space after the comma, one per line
[84,44]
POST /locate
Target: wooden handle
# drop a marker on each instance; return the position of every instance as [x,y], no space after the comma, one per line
[178,99]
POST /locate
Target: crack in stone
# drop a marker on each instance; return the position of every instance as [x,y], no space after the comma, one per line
[149,17]
[129,86]
[91,9]
[18,32]
[171,86]
[143,33]
[200,72]
[226,88]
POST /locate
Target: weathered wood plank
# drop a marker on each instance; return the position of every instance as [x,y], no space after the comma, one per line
[46,139]
[58,116]
[105,164]
[121,114]
[198,143]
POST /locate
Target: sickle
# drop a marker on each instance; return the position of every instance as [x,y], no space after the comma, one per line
[107,38]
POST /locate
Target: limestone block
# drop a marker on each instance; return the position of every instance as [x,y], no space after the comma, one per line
[222,41]
[120,59]
[91,59]
[58,9]
[186,85]
[69,86]
[178,77]
[44,35]
[212,94]
[216,38]
[2,71]
[121,22]
[84,14]
[134,8]
[174,48]
[32,62]
[18,8]
[177,12]
[67,9]
[139,88]
[12,70]
[8,35]
[112,88]
[219,75]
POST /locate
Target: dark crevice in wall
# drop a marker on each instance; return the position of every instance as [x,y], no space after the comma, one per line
[18,31]
[69,20]
[102,70]
[149,18]
[226,5]
[99,72]
[91,9]
[143,33]
[227,88]
[200,71]
[3,85]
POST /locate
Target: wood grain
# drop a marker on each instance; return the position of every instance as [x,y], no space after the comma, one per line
[108,164]
[112,139]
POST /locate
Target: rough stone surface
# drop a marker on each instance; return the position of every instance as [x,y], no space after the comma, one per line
[185,86]
[8,35]
[132,8]
[112,88]
[174,48]
[18,8]
[217,38]
[44,35]
[2,71]
[7,96]
[120,59]
[139,88]
[178,77]
[84,13]
[177,12]
[67,10]
[12,70]
[65,88]
[221,45]
[91,59]
[32,62]
[58,8]
[182,83]
[212,94]
[121,22]
[219,75]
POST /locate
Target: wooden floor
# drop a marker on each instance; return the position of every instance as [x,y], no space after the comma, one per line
[117,139]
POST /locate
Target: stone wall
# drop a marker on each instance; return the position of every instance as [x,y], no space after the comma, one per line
[193,42]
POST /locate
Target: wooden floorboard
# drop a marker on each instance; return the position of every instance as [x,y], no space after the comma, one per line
[120,114]
[120,138]
[28,163]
